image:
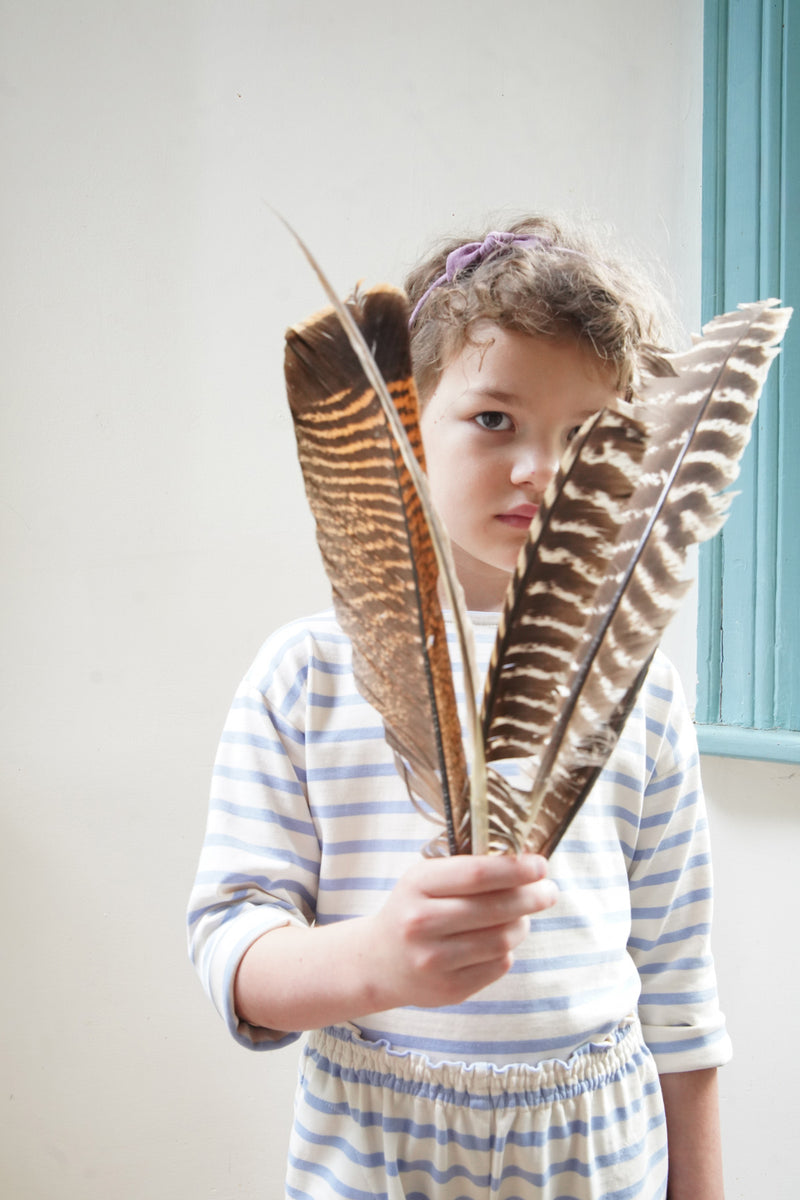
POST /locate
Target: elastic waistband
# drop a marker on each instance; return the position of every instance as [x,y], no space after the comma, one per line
[341,1051]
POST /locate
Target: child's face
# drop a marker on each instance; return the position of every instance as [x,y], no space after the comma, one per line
[494,431]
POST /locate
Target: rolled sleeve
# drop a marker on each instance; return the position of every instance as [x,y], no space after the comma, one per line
[671,891]
[260,860]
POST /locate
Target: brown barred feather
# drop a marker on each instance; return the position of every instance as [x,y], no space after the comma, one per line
[698,425]
[375,542]
[563,563]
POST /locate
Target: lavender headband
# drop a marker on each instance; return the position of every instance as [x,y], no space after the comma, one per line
[473,253]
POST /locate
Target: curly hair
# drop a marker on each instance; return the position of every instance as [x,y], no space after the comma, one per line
[562,282]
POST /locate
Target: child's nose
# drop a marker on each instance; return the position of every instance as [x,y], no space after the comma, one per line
[534,467]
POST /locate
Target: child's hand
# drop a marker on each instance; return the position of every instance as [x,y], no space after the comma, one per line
[450,927]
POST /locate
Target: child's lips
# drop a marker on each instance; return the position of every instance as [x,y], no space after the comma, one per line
[519,517]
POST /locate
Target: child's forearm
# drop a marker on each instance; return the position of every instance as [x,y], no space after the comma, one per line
[448,929]
[695,1152]
[293,979]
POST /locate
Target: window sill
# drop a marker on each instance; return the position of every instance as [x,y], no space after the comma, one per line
[733,741]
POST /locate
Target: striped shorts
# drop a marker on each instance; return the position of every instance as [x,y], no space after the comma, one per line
[376,1124]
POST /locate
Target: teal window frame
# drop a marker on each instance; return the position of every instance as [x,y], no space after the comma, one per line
[748,698]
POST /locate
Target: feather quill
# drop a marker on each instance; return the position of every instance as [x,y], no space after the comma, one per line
[601,573]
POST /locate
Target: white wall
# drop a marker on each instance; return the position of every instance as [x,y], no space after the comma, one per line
[753,812]
[153,523]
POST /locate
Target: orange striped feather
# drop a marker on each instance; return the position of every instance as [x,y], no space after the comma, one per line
[375,543]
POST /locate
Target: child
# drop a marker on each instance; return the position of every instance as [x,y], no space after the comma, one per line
[479,1027]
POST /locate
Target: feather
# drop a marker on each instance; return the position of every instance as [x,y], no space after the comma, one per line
[601,573]
[375,541]
[565,560]
[698,423]
[458,828]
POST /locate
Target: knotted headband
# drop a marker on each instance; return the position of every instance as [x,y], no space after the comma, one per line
[473,253]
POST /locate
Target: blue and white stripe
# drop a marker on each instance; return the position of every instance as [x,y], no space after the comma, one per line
[538,1084]
[308,821]
[372,1122]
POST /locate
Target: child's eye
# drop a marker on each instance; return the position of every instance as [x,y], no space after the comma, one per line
[571,433]
[493,420]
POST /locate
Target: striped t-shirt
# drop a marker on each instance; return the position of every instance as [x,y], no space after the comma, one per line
[310,822]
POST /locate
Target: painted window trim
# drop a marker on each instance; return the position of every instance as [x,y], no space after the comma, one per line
[748,701]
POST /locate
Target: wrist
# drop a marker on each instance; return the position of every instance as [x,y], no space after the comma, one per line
[370,976]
